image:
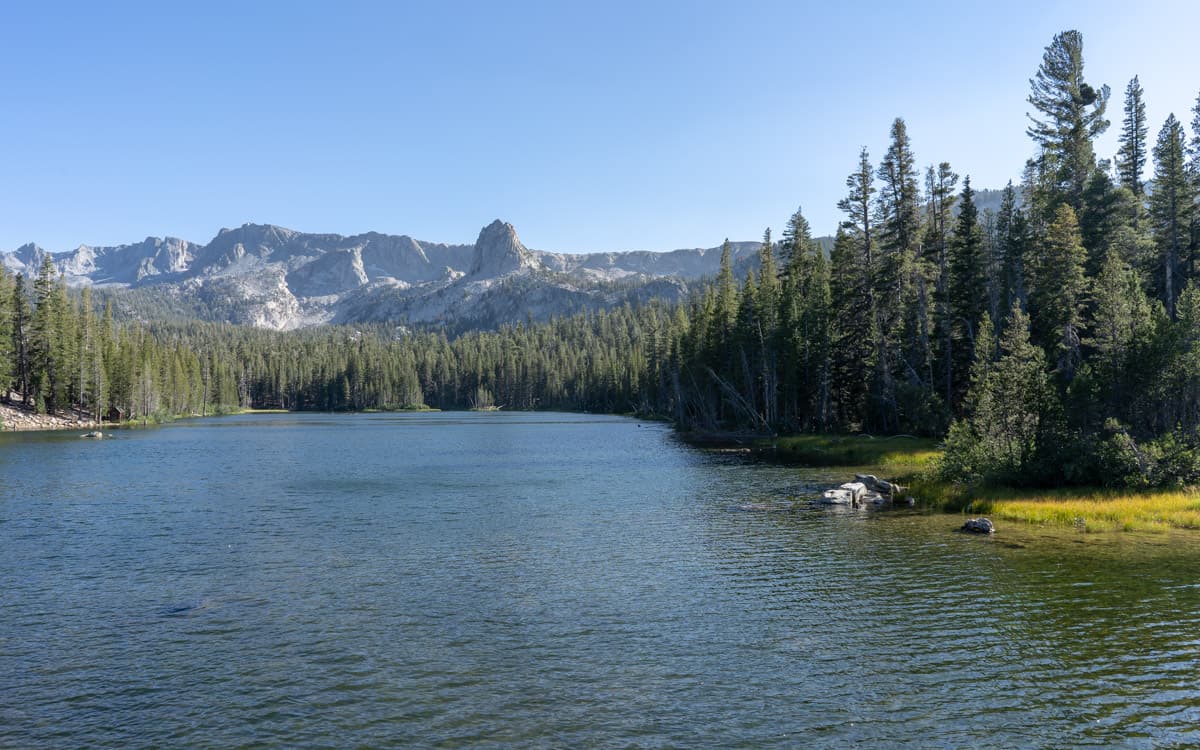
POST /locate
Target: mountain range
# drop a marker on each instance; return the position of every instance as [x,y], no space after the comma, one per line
[272,277]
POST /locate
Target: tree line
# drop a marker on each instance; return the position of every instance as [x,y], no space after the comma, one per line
[1054,340]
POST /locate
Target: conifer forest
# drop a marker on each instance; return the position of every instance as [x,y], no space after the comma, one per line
[1053,341]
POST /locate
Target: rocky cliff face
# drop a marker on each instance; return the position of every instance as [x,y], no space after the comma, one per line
[498,252]
[269,276]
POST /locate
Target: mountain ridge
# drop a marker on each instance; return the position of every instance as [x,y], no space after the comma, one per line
[275,277]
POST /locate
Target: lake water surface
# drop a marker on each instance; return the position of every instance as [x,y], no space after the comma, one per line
[550,580]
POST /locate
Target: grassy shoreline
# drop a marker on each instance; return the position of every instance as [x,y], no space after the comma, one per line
[910,461]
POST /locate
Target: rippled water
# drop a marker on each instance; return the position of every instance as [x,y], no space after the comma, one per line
[534,580]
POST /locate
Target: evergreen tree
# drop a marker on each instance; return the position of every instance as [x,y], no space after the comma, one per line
[767,305]
[1000,439]
[1172,208]
[902,305]
[1070,116]
[1122,322]
[19,328]
[1012,242]
[1195,143]
[6,333]
[1109,221]
[898,208]
[1131,156]
[852,349]
[1057,297]
[968,291]
[859,207]
[726,312]
[1194,171]
[939,193]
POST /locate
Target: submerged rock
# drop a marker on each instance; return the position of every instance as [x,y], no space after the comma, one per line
[978,526]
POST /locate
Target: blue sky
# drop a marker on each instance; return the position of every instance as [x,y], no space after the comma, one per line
[599,126]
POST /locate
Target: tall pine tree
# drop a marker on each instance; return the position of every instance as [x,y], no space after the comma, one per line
[1131,156]
[1172,207]
[1070,115]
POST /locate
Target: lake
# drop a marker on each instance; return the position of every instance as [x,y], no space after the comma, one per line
[550,580]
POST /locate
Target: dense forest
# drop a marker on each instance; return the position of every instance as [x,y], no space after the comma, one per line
[1055,340]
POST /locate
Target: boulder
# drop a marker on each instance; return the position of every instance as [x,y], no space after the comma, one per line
[978,526]
[875,484]
[851,493]
[836,497]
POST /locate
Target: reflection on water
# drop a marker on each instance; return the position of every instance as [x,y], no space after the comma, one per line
[550,581]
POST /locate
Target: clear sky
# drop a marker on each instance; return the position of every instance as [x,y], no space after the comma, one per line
[589,126]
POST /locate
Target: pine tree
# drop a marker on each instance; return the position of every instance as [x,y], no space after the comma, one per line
[1122,320]
[1172,208]
[1109,220]
[968,290]
[852,336]
[1012,246]
[1195,143]
[1071,116]
[1000,439]
[902,303]
[767,303]
[1131,156]
[898,209]
[51,338]
[804,337]
[797,236]
[726,293]
[859,207]
[939,193]
[1056,300]
[6,333]
[1194,172]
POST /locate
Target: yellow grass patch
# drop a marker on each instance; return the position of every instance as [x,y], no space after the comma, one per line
[1093,510]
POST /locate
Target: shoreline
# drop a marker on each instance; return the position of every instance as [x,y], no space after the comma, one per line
[909,461]
[904,459]
[16,418]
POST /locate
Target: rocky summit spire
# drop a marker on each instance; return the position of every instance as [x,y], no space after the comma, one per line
[498,251]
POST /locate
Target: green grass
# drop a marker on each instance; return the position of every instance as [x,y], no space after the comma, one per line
[899,457]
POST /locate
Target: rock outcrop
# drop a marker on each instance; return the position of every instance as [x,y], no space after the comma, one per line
[498,252]
[866,489]
[854,494]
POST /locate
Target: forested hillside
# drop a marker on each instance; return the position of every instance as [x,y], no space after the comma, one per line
[1053,340]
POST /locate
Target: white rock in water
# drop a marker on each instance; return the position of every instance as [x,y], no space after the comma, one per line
[836,497]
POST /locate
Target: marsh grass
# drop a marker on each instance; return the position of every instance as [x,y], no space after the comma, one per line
[1091,509]
[913,461]
[899,456]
